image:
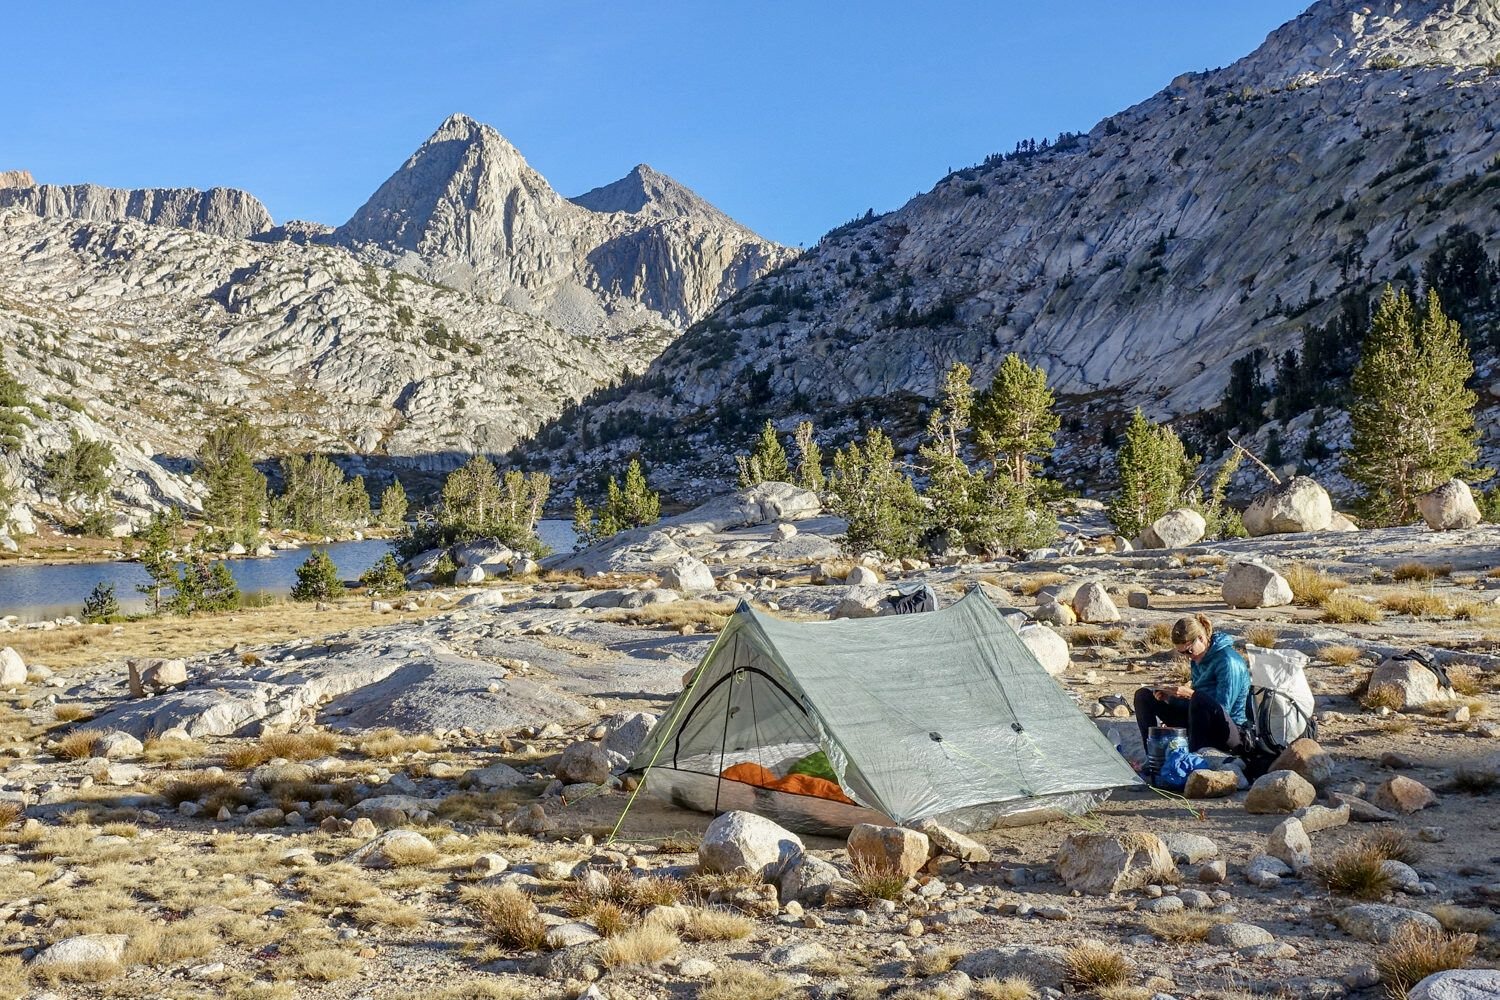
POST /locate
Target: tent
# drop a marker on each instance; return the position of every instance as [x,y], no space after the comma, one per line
[945,715]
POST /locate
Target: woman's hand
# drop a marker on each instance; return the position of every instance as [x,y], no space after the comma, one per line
[1165,691]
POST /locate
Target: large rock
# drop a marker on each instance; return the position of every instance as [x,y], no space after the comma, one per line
[148,676]
[1403,795]
[486,552]
[1092,603]
[809,880]
[1279,792]
[1299,504]
[394,849]
[954,844]
[1174,529]
[1411,683]
[861,576]
[1458,984]
[744,841]
[1307,758]
[1048,646]
[626,732]
[1449,507]
[1378,923]
[1289,843]
[1252,584]
[689,575]
[888,848]
[1102,863]
[85,949]
[583,763]
[12,668]
[1206,784]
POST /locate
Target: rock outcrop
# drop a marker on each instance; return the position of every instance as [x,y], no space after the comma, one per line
[466,209]
[218,211]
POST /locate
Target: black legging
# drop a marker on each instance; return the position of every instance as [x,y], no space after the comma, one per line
[1207,723]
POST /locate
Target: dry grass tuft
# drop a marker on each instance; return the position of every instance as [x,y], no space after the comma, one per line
[1465,678]
[387,743]
[160,751]
[1182,926]
[607,918]
[319,965]
[937,961]
[77,745]
[1393,844]
[1159,636]
[1093,966]
[1420,572]
[1034,583]
[1339,656]
[508,915]
[711,924]
[409,853]
[1344,609]
[873,881]
[1385,696]
[9,812]
[1417,604]
[1473,611]
[1355,871]
[1263,636]
[640,947]
[69,712]
[288,746]
[744,982]
[57,973]
[1010,988]
[211,790]
[1474,781]
[1416,953]
[1309,585]
[491,989]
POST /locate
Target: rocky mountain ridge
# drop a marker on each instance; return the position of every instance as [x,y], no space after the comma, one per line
[226,212]
[467,210]
[141,317]
[143,336]
[1137,261]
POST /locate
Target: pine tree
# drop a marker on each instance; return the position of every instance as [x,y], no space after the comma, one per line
[767,461]
[317,578]
[156,559]
[236,496]
[81,470]
[393,505]
[471,497]
[809,459]
[356,503]
[101,606]
[955,496]
[208,587]
[384,579]
[584,523]
[1014,418]
[1412,417]
[878,500]
[315,497]
[1150,462]
[632,505]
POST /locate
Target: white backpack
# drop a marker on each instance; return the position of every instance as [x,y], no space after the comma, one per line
[1280,708]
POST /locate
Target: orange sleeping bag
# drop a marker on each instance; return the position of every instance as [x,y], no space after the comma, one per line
[798,784]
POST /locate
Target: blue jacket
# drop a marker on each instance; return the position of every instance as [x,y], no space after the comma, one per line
[1224,676]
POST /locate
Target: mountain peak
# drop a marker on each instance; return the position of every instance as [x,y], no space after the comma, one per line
[1335,37]
[649,193]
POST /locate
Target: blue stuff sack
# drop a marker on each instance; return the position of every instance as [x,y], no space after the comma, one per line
[1175,770]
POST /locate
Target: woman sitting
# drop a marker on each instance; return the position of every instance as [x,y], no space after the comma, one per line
[1212,705]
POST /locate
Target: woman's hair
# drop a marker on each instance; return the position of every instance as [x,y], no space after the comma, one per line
[1191,629]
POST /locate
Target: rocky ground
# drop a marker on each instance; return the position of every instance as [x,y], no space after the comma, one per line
[422,802]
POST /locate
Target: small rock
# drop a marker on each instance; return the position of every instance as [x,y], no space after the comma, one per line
[1279,791]
[1237,935]
[741,840]
[889,848]
[1378,923]
[1289,843]
[1100,863]
[1206,784]
[1403,795]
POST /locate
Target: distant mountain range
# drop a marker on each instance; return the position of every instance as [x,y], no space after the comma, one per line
[462,305]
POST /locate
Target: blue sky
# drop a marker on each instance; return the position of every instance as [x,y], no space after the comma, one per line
[790,116]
